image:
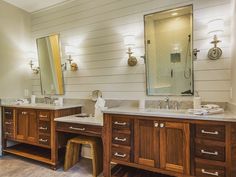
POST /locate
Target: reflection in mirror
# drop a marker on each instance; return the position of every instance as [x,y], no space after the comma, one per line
[50,65]
[168,44]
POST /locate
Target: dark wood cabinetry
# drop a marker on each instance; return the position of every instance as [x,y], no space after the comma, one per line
[175,147]
[34,131]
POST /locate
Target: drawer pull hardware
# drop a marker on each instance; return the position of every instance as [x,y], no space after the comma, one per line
[120,155]
[74,128]
[162,125]
[42,116]
[43,128]
[120,139]
[9,113]
[43,140]
[8,123]
[156,124]
[210,133]
[7,133]
[210,153]
[210,173]
[24,113]
[120,123]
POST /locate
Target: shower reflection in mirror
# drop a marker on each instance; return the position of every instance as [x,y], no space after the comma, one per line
[168,44]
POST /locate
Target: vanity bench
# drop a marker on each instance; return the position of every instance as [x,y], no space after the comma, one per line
[170,144]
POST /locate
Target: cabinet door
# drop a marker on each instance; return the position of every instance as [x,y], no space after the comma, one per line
[146,139]
[21,119]
[175,147]
[31,127]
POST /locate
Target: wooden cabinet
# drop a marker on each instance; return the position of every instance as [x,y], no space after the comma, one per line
[162,144]
[26,125]
[175,147]
[33,130]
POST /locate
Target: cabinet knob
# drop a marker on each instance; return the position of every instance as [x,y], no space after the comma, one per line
[162,125]
[156,124]
[23,113]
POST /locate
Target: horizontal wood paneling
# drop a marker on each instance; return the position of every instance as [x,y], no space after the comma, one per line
[97,28]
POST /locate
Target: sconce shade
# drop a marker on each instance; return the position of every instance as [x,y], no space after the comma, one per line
[70,50]
[215,27]
[129,41]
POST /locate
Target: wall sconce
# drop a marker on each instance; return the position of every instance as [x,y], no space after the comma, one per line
[215,27]
[70,50]
[32,57]
[130,42]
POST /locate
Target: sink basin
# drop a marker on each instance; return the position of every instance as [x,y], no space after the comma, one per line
[169,111]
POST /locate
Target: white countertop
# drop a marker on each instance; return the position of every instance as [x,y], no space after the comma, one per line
[42,106]
[177,114]
[80,120]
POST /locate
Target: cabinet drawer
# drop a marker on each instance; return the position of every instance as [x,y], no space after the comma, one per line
[204,170]
[212,132]
[79,128]
[44,115]
[121,123]
[120,153]
[44,126]
[8,113]
[121,138]
[44,140]
[210,152]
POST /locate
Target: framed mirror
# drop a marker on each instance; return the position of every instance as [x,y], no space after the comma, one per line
[51,75]
[168,48]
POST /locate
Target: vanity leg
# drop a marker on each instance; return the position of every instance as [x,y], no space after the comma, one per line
[106,139]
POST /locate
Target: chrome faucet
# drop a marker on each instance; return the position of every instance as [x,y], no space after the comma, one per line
[167,101]
[48,100]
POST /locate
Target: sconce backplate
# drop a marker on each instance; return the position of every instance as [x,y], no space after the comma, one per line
[214,53]
[132,61]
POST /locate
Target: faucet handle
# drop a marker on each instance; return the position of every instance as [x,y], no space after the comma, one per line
[166,99]
[177,105]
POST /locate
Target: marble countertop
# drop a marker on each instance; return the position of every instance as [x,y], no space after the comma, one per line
[42,106]
[177,114]
[80,120]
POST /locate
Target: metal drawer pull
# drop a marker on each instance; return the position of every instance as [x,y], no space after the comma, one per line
[211,133]
[24,113]
[120,123]
[209,173]
[43,128]
[210,153]
[74,128]
[120,155]
[9,113]
[7,133]
[120,139]
[8,123]
[42,140]
[42,116]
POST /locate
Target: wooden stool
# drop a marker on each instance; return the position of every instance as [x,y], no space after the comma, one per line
[73,149]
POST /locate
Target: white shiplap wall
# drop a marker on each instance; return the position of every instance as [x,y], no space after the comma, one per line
[97,28]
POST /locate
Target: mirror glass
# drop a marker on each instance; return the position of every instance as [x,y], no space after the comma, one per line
[50,65]
[168,48]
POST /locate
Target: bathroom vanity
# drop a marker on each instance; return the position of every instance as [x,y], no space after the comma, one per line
[175,144]
[30,129]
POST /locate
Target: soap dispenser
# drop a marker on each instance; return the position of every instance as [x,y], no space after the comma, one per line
[196,101]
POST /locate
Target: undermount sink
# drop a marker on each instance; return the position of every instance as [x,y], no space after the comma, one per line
[174,111]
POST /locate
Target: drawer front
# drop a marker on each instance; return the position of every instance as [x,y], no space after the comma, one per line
[121,153]
[210,152]
[79,128]
[44,115]
[212,132]
[44,126]
[8,131]
[8,113]
[121,123]
[44,140]
[204,170]
[121,138]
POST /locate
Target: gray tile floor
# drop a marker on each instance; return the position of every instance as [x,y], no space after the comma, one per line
[12,166]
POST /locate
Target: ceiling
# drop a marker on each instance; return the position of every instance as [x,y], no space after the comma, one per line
[34,5]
